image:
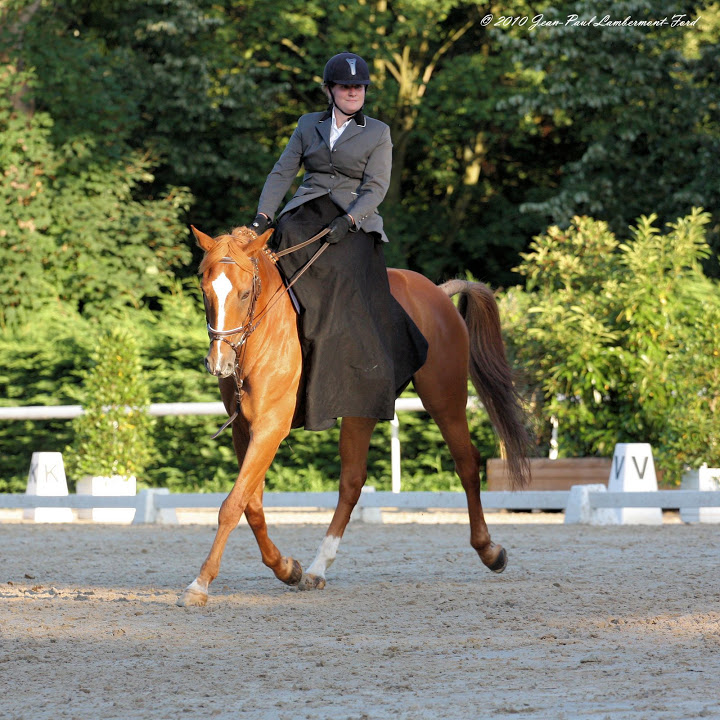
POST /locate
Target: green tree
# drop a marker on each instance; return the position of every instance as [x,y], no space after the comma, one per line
[633,112]
[192,104]
[44,361]
[121,121]
[39,365]
[437,78]
[76,227]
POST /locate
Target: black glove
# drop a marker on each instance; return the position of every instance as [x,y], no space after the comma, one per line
[339,228]
[260,224]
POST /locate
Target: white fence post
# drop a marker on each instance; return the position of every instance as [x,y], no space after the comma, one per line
[704,478]
[580,510]
[395,454]
[148,512]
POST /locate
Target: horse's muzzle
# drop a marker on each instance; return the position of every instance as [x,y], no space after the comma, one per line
[220,364]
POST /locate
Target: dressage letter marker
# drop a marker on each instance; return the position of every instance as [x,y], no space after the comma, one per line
[47,478]
[633,470]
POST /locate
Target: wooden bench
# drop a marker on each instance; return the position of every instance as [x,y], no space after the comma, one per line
[546,474]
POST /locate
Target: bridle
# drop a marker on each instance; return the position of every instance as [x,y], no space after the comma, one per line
[246,329]
[252,320]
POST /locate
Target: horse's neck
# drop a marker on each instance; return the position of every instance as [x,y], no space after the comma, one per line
[273,287]
[273,277]
[275,337]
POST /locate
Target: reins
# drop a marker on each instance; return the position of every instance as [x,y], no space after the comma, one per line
[274,256]
[252,322]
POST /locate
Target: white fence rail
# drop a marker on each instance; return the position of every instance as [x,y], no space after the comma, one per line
[541,499]
[665,499]
[149,504]
[68,412]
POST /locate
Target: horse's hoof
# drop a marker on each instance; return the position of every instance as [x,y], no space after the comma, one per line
[193,596]
[311,582]
[296,574]
[500,563]
[493,557]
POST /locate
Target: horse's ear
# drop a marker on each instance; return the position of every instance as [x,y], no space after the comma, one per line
[259,243]
[203,240]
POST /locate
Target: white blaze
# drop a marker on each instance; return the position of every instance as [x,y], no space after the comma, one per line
[222,287]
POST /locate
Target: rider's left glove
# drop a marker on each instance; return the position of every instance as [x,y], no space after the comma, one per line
[339,228]
[260,224]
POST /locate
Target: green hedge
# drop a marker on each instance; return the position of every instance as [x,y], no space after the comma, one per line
[172,343]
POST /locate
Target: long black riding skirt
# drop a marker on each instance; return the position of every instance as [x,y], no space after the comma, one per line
[360,348]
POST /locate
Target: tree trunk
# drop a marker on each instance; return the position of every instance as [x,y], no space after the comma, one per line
[412,74]
[12,58]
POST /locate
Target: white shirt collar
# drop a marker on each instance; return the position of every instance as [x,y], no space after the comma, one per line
[335,131]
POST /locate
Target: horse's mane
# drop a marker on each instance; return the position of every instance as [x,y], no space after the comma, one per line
[231,245]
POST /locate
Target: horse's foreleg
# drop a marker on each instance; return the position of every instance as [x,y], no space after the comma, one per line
[229,516]
[355,434]
[260,453]
[285,568]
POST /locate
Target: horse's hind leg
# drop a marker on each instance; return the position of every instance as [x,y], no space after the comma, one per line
[447,406]
[355,434]
[285,568]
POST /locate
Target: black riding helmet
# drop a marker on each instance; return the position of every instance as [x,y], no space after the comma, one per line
[346,69]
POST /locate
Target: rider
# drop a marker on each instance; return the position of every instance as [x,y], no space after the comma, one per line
[360,348]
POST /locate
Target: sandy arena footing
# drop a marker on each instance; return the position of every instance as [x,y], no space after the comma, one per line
[586,622]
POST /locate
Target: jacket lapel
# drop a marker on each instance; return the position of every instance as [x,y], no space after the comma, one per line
[350,131]
[324,126]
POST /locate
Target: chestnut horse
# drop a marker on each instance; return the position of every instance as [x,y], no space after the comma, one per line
[255,352]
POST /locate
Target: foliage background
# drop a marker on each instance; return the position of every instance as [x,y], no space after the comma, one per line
[123,121]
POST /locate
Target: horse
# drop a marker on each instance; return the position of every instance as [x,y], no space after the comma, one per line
[255,353]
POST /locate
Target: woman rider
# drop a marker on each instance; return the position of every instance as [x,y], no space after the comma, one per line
[360,348]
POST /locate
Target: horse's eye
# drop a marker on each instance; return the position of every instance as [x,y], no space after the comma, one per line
[245,295]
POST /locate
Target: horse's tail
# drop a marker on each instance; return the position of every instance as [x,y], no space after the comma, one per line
[492,375]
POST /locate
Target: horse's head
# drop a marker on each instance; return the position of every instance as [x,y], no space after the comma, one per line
[231,287]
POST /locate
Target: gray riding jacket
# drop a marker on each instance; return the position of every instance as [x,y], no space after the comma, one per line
[356,173]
